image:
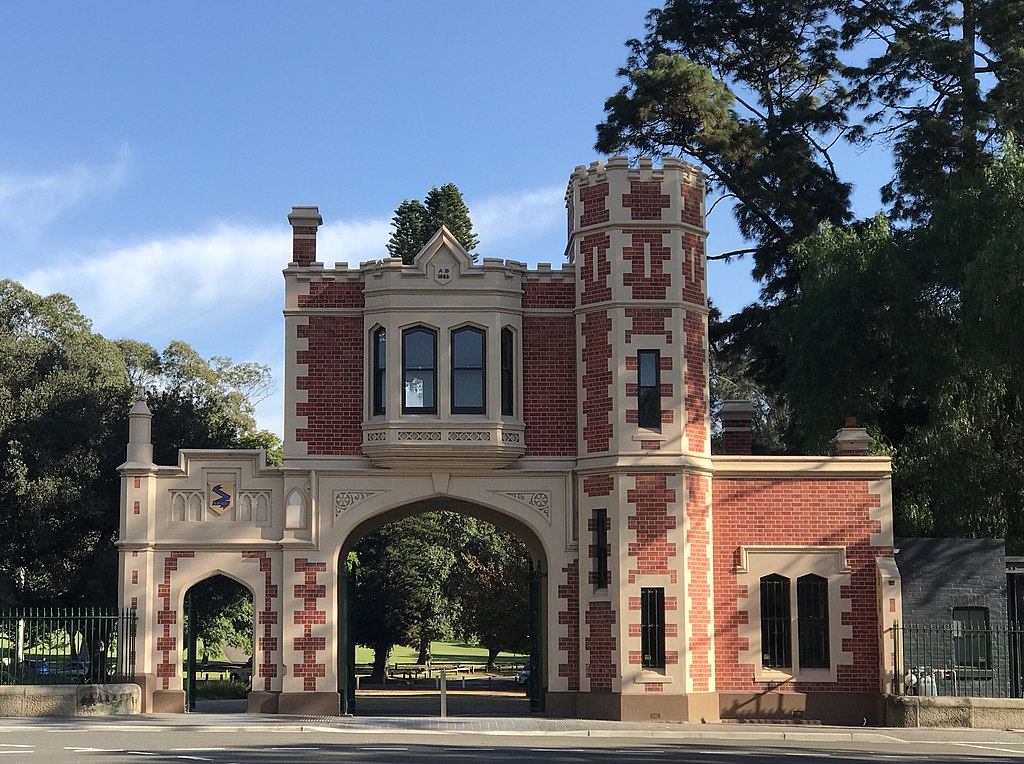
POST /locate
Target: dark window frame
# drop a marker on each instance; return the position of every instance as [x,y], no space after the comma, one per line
[600,538]
[648,391]
[481,369]
[812,619]
[972,638]
[776,623]
[430,408]
[652,628]
[380,372]
[508,366]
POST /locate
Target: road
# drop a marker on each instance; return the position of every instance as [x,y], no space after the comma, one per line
[95,743]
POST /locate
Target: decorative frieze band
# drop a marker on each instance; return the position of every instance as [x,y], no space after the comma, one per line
[539,501]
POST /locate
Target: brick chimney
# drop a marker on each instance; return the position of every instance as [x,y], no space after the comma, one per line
[737,427]
[852,440]
[305,221]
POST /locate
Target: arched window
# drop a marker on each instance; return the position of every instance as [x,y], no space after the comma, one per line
[419,371]
[776,651]
[812,621]
[380,376]
[508,389]
[469,392]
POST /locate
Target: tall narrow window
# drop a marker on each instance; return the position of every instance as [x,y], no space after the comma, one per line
[600,531]
[380,389]
[508,389]
[812,621]
[468,385]
[652,627]
[971,639]
[419,371]
[649,388]
[776,651]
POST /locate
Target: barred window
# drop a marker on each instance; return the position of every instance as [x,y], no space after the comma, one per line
[600,521]
[812,621]
[776,650]
[652,627]
[971,638]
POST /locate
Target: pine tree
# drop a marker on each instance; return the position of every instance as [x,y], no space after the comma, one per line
[415,222]
[412,230]
[445,206]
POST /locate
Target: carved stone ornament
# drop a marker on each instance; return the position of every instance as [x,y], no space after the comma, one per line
[539,501]
[345,500]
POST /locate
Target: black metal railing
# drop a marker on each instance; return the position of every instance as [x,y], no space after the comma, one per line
[67,646]
[959,659]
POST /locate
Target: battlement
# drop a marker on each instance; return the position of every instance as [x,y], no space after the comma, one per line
[599,171]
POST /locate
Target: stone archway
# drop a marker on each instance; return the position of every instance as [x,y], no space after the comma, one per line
[535,582]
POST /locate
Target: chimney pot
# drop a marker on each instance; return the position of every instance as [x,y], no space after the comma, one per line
[737,427]
[304,222]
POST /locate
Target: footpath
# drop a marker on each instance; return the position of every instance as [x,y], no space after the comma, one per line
[483,727]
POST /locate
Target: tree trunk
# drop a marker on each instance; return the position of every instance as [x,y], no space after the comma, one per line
[424,655]
[492,654]
[380,662]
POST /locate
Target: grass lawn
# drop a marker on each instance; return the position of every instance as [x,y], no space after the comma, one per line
[445,652]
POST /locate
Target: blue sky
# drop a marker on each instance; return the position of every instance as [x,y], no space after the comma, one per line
[150,152]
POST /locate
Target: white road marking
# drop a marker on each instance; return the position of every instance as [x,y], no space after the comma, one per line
[14,745]
[193,758]
[291,748]
[199,750]
[143,753]
[381,748]
[991,747]
[638,751]
[83,749]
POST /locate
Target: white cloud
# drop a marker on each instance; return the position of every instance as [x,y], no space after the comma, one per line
[194,280]
[30,201]
[502,218]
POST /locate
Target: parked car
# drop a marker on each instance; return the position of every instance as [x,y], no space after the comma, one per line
[76,671]
[524,676]
[38,666]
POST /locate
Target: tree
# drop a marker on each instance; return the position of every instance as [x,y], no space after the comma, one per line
[946,87]
[917,332]
[400,574]
[747,90]
[492,587]
[415,222]
[64,397]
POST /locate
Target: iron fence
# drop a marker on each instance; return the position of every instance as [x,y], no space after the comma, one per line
[962,659]
[67,646]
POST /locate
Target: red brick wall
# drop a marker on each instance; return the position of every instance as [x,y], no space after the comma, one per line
[266,618]
[645,200]
[304,250]
[698,583]
[166,618]
[594,200]
[601,645]
[650,322]
[557,295]
[796,512]
[569,617]
[692,200]
[333,294]
[694,278]
[597,379]
[309,591]
[654,284]
[695,382]
[653,525]
[549,382]
[334,381]
[595,268]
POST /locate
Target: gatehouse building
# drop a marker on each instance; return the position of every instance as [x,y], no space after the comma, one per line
[570,406]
